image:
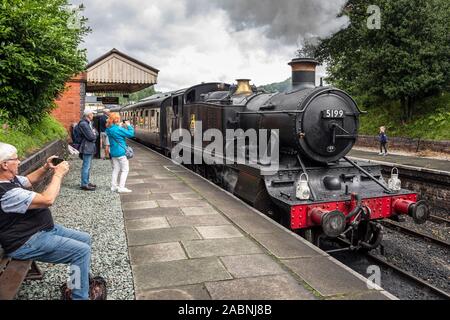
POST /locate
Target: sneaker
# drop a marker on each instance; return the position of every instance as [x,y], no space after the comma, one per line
[123,190]
[114,189]
[386,154]
[381,154]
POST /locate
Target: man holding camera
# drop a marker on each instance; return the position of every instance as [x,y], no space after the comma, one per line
[27,230]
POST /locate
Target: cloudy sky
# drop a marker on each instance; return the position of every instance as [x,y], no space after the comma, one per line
[191,41]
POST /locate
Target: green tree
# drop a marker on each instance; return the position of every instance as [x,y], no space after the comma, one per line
[407,59]
[39,52]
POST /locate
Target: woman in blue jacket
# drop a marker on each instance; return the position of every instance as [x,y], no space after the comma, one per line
[117,135]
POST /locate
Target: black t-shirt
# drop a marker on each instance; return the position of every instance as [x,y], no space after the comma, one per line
[17,228]
[102,123]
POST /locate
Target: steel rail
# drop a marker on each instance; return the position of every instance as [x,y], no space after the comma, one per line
[415,233]
[413,278]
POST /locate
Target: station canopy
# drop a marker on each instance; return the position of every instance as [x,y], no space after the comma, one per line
[116,72]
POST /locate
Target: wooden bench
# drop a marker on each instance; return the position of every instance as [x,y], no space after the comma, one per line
[13,273]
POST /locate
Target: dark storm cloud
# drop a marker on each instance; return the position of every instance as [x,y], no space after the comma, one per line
[287,20]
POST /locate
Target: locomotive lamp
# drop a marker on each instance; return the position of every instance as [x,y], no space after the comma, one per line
[302,190]
[419,211]
[394,183]
[332,222]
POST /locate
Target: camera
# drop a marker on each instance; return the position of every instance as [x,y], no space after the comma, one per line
[56,161]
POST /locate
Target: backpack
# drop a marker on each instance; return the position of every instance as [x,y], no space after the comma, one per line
[77,136]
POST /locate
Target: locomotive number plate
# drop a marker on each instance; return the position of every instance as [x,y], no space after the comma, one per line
[333,114]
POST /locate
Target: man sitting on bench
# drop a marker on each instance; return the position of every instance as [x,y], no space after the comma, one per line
[27,231]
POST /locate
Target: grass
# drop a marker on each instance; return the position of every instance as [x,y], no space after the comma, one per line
[432,120]
[28,138]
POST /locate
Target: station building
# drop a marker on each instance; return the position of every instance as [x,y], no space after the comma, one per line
[107,77]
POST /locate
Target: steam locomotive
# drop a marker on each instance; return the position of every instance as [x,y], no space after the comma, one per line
[316,190]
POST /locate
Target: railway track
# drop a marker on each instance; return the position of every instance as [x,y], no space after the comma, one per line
[415,233]
[422,283]
[439,220]
[399,272]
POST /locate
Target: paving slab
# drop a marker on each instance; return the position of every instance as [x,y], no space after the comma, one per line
[254,265]
[373,295]
[147,223]
[281,287]
[199,211]
[183,203]
[235,210]
[160,252]
[133,181]
[220,247]
[190,292]
[128,206]
[323,275]
[147,213]
[144,186]
[144,237]
[185,195]
[219,232]
[205,220]
[134,197]
[254,224]
[283,245]
[177,273]
[169,190]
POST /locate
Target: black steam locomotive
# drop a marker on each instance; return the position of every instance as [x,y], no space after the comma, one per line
[316,190]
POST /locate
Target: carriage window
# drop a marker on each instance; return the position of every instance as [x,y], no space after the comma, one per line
[157,119]
[146,122]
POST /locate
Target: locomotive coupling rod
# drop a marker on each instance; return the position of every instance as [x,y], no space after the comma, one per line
[304,170]
[368,175]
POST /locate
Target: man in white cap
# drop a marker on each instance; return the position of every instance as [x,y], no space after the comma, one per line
[87,148]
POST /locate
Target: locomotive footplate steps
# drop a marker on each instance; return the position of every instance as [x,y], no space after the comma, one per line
[189,239]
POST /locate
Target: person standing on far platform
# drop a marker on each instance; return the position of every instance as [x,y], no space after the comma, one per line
[104,141]
[87,148]
[117,135]
[383,141]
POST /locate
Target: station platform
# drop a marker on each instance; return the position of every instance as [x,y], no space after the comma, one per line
[403,161]
[189,239]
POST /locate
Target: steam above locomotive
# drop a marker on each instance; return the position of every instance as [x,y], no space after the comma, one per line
[316,190]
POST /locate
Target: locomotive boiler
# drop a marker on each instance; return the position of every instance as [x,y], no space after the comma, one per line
[316,190]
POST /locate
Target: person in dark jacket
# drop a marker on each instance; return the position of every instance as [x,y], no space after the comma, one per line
[383,141]
[104,141]
[87,148]
[27,230]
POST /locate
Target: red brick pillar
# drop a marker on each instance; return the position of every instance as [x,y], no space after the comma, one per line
[71,102]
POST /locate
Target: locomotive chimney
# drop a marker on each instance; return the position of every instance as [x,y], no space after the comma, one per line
[243,87]
[303,73]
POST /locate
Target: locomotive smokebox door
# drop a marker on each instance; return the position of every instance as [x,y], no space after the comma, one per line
[329,124]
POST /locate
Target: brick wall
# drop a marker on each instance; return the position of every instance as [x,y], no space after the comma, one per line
[406,144]
[71,102]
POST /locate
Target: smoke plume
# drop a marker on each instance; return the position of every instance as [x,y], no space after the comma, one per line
[291,21]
